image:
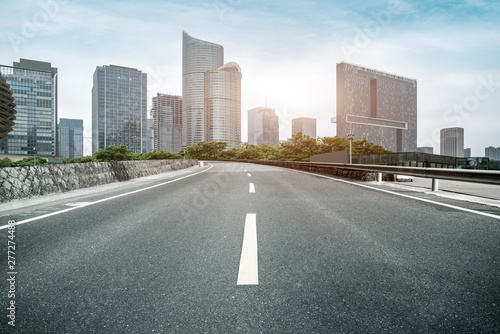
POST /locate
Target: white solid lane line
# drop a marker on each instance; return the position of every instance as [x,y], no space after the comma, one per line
[404,195]
[248,273]
[102,200]
[249,174]
[251,188]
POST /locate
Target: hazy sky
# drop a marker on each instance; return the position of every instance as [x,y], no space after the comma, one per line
[287,50]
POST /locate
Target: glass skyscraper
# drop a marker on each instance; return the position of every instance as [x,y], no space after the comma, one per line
[198,57]
[119,108]
[7,109]
[379,106]
[263,126]
[34,87]
[223,105]
[166,113]
[70,138]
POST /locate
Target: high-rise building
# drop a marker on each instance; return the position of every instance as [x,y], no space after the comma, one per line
[492,152]
[263,126]
[467,153]
[70,138]
[7,109]
[34,87]
[379,106]
[305,125]
[119,108]
[223,104]
[198,57]
[166,114]
[452,142]
[151,134]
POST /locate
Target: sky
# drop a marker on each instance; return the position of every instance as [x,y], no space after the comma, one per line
[287,49]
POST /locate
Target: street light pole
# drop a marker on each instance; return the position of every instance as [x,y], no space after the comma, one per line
[350,137]
[34,156]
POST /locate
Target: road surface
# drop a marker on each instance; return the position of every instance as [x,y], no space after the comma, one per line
[243,248]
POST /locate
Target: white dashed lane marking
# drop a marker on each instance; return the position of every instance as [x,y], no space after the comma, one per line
[248,273]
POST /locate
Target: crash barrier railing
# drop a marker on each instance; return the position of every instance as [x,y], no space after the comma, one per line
[436,174]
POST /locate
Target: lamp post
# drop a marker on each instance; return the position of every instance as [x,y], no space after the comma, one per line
[184,151]
[34,156]
[350,137]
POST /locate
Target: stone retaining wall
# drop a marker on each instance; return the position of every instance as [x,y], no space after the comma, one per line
[24,182]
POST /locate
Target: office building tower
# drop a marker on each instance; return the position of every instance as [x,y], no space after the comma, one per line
[198,57]
[263,126]
[452,142]
[34,87]
[426,149]
[379,106]
[492,152]
[7,109]
[223,104]
[119,108]
[467,153]
[166,116]
[305,125]
[148,126]
[70,138]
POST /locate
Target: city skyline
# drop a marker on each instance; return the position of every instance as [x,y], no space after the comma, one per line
[288,50]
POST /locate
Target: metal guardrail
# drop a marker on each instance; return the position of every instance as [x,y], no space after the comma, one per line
[463,175]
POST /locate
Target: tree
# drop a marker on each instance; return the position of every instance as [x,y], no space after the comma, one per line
[30,161]
[113,153]
[333,144]
[363,146]
[78,160]
[5,162]
[159,155]
[206,150]
[299,148]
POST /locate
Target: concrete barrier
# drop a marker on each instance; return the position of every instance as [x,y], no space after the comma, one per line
[29,181]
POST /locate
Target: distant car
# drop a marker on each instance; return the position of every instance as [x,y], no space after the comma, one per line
[401,178]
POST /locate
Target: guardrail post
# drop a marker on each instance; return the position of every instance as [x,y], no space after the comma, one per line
[435,184]
[379,177]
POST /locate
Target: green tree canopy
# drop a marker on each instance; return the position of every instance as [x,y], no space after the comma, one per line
[299,148]
[30,161]
[5,162]
[113,153]
[206,150]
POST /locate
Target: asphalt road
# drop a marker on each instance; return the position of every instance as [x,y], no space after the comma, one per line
[204,254]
